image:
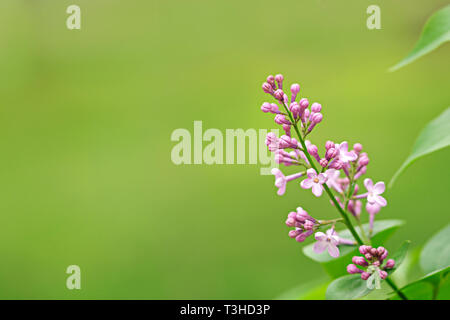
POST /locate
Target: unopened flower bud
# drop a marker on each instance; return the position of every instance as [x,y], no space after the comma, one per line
[316,118]
[323,162]
[279,95]
[266,107]
[294,233]
[308,225]
[363,249]
[295,109]
[373,252]
[365,275]
[304,103]
[380,251]
[360,261]
[368,256]
[302,237]
[329,144]
[390,264]
[316,107]
[363,161]
[287,129]
[312,150]
[360,172]
[383,274]
[267,88]
[336,164]
[279,79]
[331,153]
[271,81]
[357,147]
[281,119]
[295,89]
[352,269]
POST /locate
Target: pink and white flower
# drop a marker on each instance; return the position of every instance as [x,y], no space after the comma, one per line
[281,180]
[333,180]
[328,241]
[374,192]
[314,182]
[345,156]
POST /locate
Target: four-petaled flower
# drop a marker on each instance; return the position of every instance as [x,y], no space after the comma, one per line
[346,156]
[333,179]
[328,241]
[314,182]
[374,192]
[281,180]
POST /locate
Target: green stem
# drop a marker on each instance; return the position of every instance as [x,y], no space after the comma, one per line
[365,237]
[397,290]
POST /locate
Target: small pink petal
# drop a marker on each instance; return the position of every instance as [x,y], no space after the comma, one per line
[320,236]
[343,146]
[307,183]
[368,184]
[311,173]
[281,190]
[379,187]
[381,201]
[333,250]
[320,246]
[317,189]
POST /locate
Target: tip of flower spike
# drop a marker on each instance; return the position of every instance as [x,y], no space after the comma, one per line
[357,147]
[316,107]
[295,88]
[267,88]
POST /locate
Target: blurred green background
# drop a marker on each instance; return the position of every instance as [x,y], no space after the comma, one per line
[87,115]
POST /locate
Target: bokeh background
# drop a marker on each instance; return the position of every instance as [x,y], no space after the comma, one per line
[86,119]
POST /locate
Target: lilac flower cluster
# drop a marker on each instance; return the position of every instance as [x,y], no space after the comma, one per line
[370,265]
[336,168]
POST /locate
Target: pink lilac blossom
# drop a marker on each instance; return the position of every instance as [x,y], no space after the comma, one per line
[314,182]
[333,179]
[345,156]
[374,192]
[281,180]
[327,241]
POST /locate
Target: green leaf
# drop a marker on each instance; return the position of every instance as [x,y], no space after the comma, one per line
[435,136]
[436,252]
[314,290]
[351,287]
[435,33]
[399,256]
[347,288]
[435,285]
[336,267]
